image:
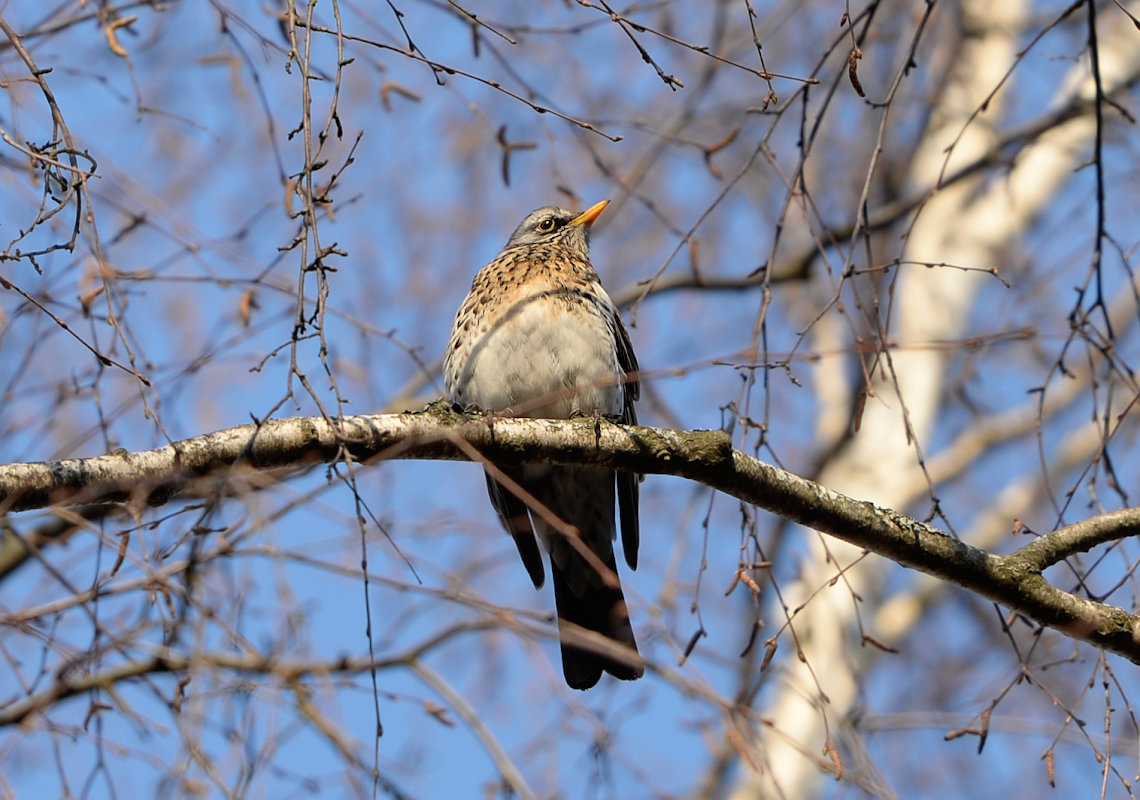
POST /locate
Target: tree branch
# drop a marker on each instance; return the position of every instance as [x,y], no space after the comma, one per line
[1015,580]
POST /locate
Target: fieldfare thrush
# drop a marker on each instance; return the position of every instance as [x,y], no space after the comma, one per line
[537,336]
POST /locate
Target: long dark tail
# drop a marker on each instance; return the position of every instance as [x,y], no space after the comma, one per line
[597,607]
[583,497]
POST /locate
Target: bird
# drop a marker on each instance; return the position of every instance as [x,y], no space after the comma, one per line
[537,336]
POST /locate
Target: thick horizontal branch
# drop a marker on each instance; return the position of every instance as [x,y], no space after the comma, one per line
[1013,580]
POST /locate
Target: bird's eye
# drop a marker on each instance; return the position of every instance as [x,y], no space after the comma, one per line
[546,225]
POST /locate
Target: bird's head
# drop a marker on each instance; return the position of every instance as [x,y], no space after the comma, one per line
[552,225]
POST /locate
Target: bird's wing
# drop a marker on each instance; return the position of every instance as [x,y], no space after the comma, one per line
[628,363]
[628,482]
[516,519]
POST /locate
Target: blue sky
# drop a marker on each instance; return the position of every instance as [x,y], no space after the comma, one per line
[418,211]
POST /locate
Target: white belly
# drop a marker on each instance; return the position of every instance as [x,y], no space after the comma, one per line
[542,361]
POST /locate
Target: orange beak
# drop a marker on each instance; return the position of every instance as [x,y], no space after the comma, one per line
[588,216]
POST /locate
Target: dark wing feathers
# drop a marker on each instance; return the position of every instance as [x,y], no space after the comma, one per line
[627,488]
[628,482]
[628,363]
[516,520]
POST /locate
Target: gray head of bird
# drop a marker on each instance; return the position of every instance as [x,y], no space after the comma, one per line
[550,225]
